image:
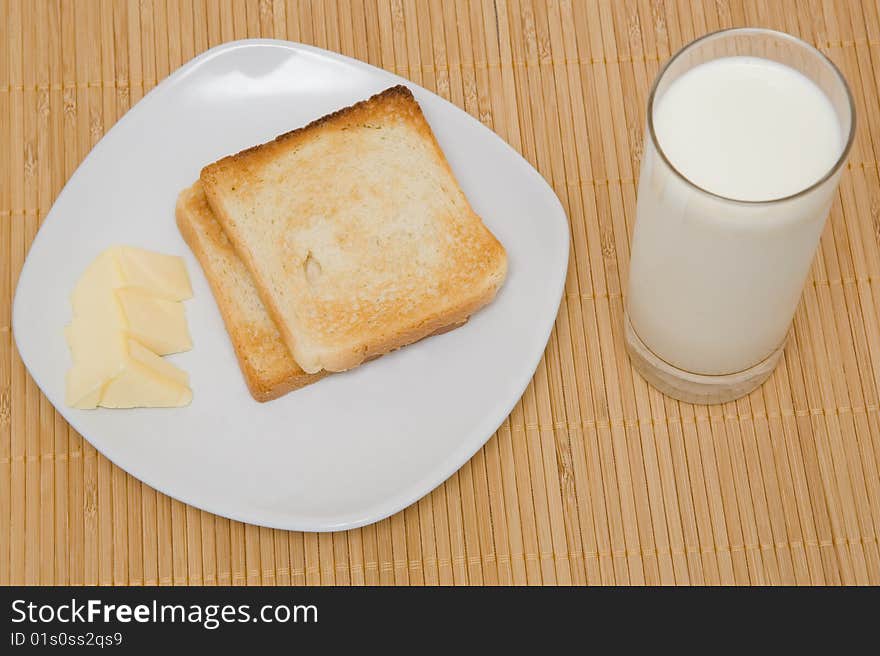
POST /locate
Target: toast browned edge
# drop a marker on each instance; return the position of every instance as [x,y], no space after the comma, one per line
[261,388]
[427,329]
[398,90]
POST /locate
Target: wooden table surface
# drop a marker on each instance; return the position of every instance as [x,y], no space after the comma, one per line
[594,477]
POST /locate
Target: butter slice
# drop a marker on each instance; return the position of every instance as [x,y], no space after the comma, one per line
[114,371]
[143,383]
[92,296]
[158,274]
[126,309]
[158,324]
[104,300]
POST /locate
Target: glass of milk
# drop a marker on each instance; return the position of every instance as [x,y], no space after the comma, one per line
[747,133]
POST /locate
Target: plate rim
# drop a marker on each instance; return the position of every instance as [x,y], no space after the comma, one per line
[407,496]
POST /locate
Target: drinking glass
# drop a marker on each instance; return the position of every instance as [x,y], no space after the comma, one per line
[714,282]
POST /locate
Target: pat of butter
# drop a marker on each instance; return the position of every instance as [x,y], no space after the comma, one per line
[158,324]
[122,296]
[158,274]
[114,371]
[120,373]
[126,313]
[147,381]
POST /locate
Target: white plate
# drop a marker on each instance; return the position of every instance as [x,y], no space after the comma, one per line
[355,447]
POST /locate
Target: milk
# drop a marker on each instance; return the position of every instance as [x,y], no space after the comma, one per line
[714,282]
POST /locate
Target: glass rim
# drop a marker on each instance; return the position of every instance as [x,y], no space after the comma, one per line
[838,164]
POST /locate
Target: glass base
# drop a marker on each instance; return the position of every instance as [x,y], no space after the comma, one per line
[690,387]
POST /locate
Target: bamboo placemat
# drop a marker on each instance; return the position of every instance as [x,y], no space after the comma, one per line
[594,477]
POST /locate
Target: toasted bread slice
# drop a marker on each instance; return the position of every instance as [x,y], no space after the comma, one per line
[268,368]
[356,232]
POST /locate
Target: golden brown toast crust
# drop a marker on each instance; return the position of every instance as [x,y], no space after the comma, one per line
[268,368]
[399,92]
[362,261]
